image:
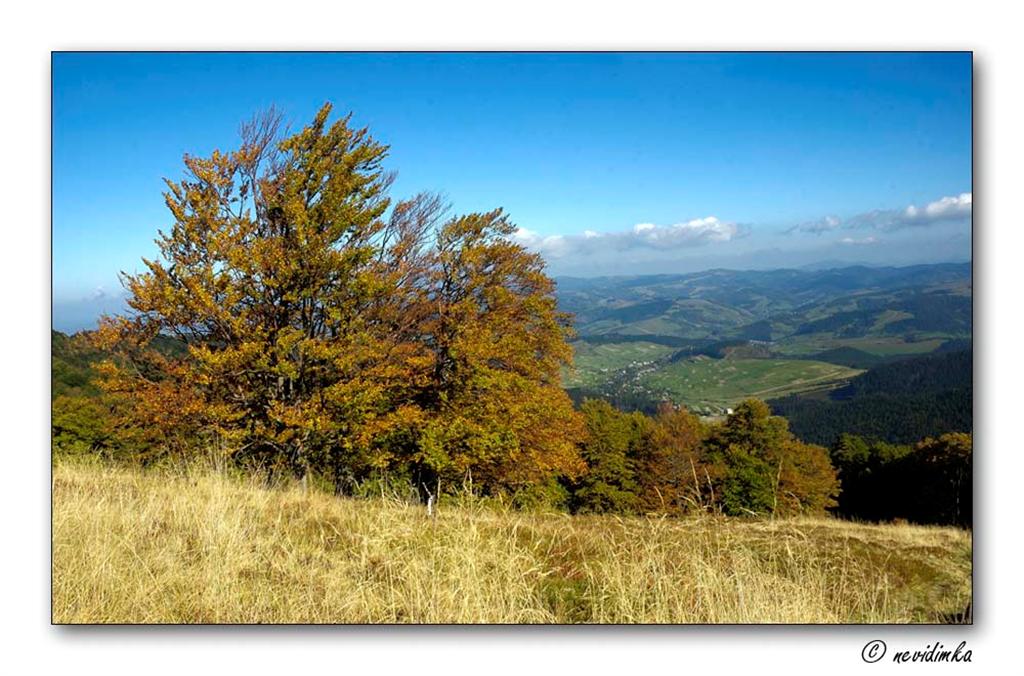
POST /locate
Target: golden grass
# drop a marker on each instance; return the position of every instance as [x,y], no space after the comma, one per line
[199,546]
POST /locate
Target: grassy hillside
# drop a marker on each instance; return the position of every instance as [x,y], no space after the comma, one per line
[806,346]
[72,359]
[701,382]
[71,363]
[596,364]
[198,546]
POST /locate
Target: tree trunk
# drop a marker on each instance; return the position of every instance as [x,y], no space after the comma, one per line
[427,482]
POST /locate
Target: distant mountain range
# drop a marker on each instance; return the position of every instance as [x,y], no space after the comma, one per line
[849,302]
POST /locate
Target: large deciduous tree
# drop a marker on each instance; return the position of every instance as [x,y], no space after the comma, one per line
[493,399]
[329,329]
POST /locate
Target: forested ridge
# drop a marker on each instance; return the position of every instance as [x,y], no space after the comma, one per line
[898,402]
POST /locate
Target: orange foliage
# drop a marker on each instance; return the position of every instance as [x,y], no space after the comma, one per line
[324,333]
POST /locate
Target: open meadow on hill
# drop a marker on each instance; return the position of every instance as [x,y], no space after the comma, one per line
[595,364]
[702,382]
[203,546]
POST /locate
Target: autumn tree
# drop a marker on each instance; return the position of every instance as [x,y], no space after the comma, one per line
[670,463]
[759,467]
[486,407]
[328,329]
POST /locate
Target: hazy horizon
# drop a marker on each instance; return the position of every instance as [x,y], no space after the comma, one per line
[74,316]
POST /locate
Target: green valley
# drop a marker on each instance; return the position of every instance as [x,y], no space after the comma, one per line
[709,340]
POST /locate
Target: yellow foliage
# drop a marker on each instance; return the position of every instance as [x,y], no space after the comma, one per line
[325,333]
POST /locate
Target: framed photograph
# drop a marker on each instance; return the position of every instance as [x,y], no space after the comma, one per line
[503,338]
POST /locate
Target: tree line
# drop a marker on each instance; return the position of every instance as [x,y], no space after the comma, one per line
[673,463]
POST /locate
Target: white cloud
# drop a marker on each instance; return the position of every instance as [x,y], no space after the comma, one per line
[943,210]
[858,242]
[645,243]
[538,242]
[692,233]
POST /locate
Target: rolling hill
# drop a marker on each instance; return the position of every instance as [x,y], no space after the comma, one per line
[711,339]
[775,305]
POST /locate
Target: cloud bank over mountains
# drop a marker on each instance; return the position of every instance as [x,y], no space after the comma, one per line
[938,230]
[72,313]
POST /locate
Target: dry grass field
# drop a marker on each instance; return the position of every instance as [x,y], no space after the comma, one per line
[190,546]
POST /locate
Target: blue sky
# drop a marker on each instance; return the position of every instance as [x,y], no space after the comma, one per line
[610,163]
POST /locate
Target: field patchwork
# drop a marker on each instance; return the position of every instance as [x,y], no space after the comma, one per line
[598,364]
[700,381]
